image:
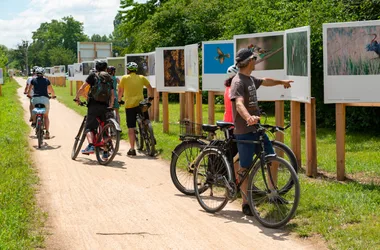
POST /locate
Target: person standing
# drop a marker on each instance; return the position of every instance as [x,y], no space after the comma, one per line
[245,112]
[111,71]
[131,87]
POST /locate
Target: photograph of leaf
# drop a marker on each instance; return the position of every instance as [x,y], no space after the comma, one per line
[270,50]
[87,66]
[142,62]
[353,50]
[174,68]
[296,52]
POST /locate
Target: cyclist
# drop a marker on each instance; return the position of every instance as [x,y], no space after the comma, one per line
[111,70]
[96,106]
[132,86]
[41,87]
[28,81]
[245,112]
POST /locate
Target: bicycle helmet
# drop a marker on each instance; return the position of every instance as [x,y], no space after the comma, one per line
[132,66]
[34,69]
[111,69]
[232,71]
[100,65]
[40,70]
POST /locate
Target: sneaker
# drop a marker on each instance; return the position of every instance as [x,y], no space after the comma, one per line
[88,150]
[105,155]
[47,135]
[131,152]
[33,125]
[246,210]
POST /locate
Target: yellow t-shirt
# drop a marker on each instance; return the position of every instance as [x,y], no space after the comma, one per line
[133,86]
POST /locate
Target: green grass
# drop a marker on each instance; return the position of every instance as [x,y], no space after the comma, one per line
[20,219]
[345,214]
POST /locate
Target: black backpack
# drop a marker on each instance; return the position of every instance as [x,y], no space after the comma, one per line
[101,90]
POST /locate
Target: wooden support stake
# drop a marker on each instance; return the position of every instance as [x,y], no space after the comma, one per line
[295,121]
[340,117]
[279,113]
[165,112]
[199,112]
[190,106]
[211,107]
[156,101]
[311,139]
[71,88]
[182,106]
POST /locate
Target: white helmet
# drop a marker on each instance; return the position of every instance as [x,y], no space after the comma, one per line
[40,70]
[232,71]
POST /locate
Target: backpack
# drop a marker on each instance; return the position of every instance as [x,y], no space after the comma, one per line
[101,90]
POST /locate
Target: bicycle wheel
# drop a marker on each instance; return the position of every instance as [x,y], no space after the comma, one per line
[78,141]
[287,154]
[108,141]
[181,165]
[270,207]
[150,141]
[39,131]
[212,173]
[139,136]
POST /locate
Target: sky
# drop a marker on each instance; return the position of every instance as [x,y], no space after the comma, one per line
[19,18]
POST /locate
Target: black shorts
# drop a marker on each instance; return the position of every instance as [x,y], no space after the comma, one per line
[130,115]
[95,110]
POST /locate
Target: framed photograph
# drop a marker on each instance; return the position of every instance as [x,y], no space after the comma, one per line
[297,63]
[142,62]
[192,66]
[269,48]
[78,72]
[170,70]
[47,71]
[87,67]
[62,69]
[119,64]
[351,55]
[71,72]
[217,56]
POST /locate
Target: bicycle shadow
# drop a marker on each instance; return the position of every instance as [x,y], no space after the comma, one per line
[92,162]
[46,146]
[238,217]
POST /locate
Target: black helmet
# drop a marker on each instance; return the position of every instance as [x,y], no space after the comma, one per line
[100,65]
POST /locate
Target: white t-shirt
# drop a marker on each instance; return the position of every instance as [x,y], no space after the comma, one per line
[28,81]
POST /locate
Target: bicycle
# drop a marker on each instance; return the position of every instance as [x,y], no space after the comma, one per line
[39,111]
[144,135]
[273,187]
[193,142]
[106,138]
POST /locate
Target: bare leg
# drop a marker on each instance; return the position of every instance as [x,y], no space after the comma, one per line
[90,137]
[30,110]
[131,135]
[47,121]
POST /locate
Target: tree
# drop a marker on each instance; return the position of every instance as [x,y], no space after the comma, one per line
[61,56]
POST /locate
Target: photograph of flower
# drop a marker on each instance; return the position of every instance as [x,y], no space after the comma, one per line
[142,62]
[353,50]
[174,68]
[296,52]
[269,49]
[217,57]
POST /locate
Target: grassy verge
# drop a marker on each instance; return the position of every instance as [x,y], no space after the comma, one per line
[20,219]
[345,214]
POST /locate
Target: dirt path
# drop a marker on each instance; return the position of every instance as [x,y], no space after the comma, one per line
[131,204]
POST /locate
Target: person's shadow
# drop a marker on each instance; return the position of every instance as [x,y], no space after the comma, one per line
[94,162]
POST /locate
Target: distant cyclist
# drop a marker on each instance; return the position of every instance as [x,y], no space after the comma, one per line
[111,70]
[100,97]
[132,87]
[41,87]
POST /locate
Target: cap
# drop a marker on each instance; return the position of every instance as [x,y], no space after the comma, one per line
[243,54]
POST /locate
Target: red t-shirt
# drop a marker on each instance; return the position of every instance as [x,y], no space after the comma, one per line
[227,106]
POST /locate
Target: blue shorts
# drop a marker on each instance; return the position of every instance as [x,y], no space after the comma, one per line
[43,100]
[247,150]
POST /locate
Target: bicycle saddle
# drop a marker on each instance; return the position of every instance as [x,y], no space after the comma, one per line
[39,105]
[209,128]
[223,125]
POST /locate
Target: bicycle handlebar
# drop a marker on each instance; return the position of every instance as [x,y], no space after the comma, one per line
[80,103]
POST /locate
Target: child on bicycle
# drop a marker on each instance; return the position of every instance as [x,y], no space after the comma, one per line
[100,98]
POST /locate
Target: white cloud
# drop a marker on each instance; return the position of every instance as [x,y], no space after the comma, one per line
[97,17]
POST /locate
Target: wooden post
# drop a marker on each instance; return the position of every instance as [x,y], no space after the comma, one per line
[71,88]
[295,121]
[156,101]
[311,139]
[279,113]
[199,111]
[340,117]
[182,106]
[211,107]
[165,112]
[190,106]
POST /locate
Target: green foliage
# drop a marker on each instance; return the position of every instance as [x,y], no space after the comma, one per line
[20,218]
[61,56]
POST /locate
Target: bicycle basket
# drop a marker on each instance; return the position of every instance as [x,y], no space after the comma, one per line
[144,106]
[191,129]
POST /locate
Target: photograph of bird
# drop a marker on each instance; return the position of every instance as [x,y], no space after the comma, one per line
[221,55]
[374,45]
